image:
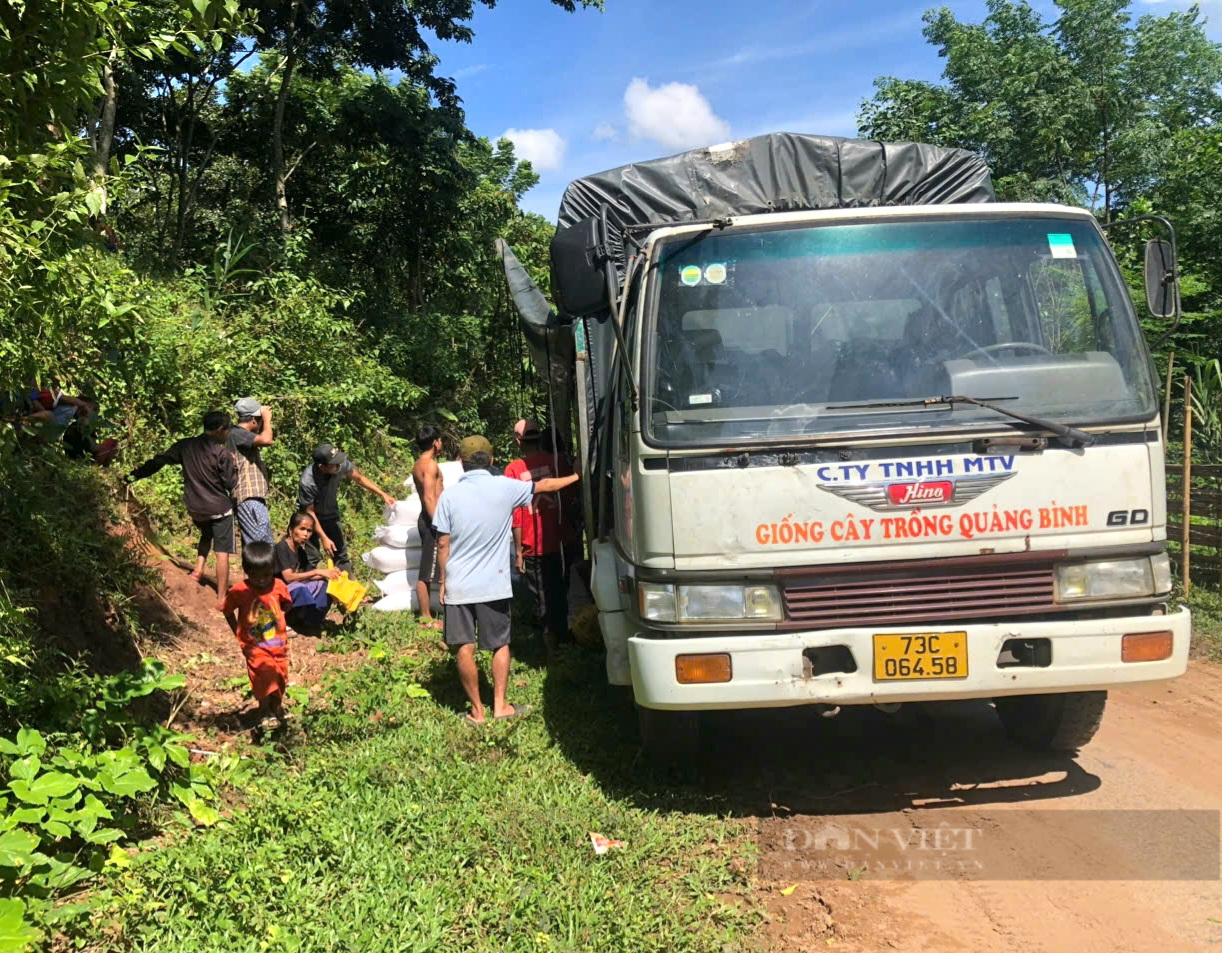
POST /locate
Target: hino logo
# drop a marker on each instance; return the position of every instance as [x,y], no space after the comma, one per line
[915,494]
[910,495]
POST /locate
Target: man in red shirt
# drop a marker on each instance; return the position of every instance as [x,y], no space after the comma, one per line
[542,530]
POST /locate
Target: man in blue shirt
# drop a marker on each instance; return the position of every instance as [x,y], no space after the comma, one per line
[473,520]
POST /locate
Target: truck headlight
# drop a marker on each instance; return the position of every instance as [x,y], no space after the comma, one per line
[663,602]
[1113,579]
[1161,566]
[656,601]
[729,603]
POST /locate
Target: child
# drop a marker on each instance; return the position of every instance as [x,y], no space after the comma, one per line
[254,610]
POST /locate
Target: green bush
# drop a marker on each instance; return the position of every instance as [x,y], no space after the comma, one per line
[70,797]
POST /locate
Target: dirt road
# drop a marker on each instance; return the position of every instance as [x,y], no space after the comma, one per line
[1056,835]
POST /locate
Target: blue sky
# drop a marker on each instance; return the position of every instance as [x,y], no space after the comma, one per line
[588,91]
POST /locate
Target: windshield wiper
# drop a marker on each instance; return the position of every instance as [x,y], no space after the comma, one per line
[1071,436]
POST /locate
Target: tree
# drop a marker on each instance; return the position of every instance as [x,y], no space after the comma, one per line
[1077,109]
[315,35]
[58,60]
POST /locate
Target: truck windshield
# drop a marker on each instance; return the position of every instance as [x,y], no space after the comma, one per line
[762,334]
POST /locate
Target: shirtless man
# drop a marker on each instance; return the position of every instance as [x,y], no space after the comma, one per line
[426,474]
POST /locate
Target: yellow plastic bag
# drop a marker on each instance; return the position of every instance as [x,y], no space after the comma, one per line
[347,592]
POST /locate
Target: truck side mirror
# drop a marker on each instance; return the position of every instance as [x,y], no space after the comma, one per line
[579,278]
[1161,289]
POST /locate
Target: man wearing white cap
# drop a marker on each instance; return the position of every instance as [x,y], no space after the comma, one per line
[252,432]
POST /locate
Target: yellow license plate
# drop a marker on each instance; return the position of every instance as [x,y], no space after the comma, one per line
[928,655]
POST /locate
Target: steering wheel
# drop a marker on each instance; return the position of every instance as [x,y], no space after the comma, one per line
[1012,346]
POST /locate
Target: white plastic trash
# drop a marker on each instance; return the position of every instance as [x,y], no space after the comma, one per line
[403,536]
[387,559]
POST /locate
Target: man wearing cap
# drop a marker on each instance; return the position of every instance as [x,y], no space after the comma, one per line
[318,495]
[473,520]
[252,432]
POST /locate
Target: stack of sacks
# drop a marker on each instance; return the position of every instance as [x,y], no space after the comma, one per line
[398,551]
[398,555]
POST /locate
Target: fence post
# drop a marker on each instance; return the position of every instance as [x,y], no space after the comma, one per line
[1167,397]
[1186,518]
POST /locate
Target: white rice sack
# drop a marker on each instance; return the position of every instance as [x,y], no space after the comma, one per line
[405,601]
[402,601]
[403,536]
[451,471]
[386,559]
[402,513]
[398,581]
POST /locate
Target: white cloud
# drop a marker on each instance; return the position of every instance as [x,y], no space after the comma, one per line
[544,148]
[474,70]
[604,131]
[674,114]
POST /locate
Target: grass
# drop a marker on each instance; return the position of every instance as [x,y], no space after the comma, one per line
[393,826]
[1206,606]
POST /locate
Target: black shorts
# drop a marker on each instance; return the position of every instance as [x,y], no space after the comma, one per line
[215,535]
[492,619]
[428,549]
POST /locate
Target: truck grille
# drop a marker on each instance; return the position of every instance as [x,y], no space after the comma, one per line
[912,593]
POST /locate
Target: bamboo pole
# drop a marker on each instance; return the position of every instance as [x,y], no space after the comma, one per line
[1167,397]
[1186,518]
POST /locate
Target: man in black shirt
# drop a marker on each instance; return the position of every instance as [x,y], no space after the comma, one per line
[208,477]
[318,495]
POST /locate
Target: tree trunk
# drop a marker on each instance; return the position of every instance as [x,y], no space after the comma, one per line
[278,169]
[104,134]
[183,141]
[1106,166]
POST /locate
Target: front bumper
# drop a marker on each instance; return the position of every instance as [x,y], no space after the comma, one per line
[769,669]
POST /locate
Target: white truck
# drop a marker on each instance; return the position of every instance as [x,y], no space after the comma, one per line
[856,434]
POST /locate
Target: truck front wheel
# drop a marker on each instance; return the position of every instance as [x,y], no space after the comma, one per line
[1061,722]
[669,737]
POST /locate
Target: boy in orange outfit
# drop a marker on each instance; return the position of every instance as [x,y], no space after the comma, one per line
[254,610]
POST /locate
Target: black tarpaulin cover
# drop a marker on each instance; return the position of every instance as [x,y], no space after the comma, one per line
[550,345]
[779,172]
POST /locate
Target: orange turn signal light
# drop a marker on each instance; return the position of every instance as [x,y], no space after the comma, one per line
[1146,647]
[703,669]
